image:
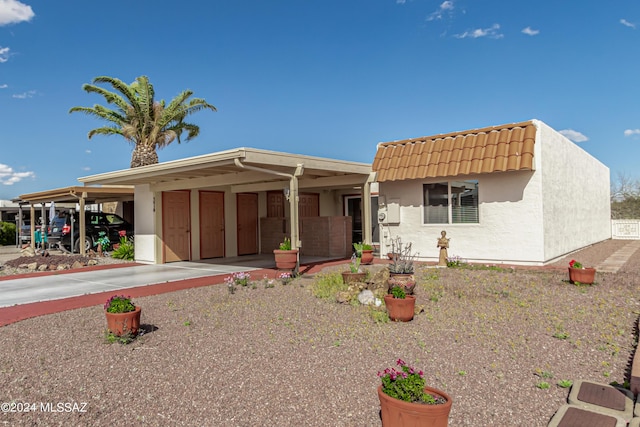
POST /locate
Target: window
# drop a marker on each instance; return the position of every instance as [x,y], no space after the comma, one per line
[454,202]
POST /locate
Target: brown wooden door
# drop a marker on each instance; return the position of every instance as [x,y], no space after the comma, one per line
[176,226]
[211,224]
[275,204]
[309,205]
[247,204]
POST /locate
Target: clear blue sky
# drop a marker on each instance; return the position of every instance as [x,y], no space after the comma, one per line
[326,78]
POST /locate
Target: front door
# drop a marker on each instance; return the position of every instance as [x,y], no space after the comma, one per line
[247,204]
[211,224]
[176,226]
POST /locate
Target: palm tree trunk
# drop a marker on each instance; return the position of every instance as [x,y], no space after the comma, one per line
[143,155]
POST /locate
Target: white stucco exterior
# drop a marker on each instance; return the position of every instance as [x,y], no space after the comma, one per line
[525,217]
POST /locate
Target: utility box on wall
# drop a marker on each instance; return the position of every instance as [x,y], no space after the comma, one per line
[389,211]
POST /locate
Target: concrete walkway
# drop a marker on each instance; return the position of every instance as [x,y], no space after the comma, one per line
[617,259]
[57,286]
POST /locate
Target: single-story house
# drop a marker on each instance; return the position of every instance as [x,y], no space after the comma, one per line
[245,201]
[519,193]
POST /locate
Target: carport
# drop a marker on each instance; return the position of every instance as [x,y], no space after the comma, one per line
[76,195]
[234,172]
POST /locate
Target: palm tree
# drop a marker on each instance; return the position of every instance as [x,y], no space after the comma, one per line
[146,123]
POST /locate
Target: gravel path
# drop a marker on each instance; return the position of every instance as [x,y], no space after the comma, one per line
[281,357]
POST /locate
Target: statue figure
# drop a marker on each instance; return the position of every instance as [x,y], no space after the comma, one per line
[443,244]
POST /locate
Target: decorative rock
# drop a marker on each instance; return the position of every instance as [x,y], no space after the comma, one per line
[43,267]
[32,266]
[343,297]
[28,251]
[92,262]
[77,264]
[366,297]
[62,267]
[379,281]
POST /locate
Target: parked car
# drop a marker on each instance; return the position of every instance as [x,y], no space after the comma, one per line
[95,223]
[25,231]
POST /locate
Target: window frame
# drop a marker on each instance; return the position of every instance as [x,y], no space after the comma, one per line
[449,205]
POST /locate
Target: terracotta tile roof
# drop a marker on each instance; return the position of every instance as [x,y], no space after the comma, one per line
[492,149]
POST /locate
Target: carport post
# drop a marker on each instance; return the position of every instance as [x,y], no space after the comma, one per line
[294,200]
[83,229]
[367,235]
[32,212]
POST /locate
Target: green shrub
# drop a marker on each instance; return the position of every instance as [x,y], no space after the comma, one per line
[327,285]
[7,233]
[125,250]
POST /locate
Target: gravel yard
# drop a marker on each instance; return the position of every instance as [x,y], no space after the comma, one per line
[281,357]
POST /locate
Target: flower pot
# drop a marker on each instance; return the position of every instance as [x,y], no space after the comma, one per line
[407,281]
[400,309]
[366,257]
[121,323]
[349,277]
[582,275]
[398,413]
[286,260]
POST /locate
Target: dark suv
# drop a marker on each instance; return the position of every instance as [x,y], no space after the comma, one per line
[95,222]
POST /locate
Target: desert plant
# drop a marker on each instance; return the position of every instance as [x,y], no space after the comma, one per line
[125,250]
[285,245]
[359,247]
[354,265]
[402,257]
[326,286]
[142,120]
[398,292]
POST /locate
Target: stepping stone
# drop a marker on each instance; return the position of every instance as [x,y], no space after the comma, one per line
[602,398]
[573,416]
[635,422]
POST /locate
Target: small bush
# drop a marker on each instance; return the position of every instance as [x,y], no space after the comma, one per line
[7,233]
[125,251]
[326,286]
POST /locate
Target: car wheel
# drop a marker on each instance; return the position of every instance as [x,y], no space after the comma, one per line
[88,244]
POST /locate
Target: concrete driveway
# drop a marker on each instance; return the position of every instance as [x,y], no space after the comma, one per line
[58,286]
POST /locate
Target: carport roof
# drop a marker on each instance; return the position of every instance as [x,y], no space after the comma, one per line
[74,194]
[248,169]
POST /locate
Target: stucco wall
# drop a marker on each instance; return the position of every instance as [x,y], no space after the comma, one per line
[525,217]
[507,201]
[575,188]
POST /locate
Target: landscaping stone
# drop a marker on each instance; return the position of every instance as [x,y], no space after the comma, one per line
[366,297]
[602,398]
[573,416]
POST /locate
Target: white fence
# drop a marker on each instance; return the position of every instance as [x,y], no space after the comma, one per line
[628,229]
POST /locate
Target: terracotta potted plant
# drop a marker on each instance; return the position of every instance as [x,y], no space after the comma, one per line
[355,274]
[365,252]
[579,274]
[286,258]
[123,316]
[405,399]
[400,306]
[401,267]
